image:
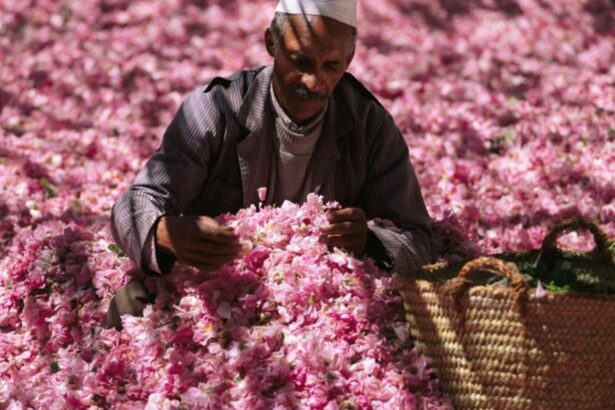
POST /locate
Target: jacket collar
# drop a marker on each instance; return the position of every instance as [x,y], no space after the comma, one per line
[255,151]
[255,109]
[337,124]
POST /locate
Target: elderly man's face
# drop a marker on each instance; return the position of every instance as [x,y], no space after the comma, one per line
[309,60]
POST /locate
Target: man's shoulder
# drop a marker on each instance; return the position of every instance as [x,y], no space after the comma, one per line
[222,95]
[238,81]
[359,100]
[350,84]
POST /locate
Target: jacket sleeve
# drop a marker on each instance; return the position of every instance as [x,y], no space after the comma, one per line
[399,230]
[170,179]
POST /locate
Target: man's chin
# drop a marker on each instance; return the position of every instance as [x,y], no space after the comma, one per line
[307,111]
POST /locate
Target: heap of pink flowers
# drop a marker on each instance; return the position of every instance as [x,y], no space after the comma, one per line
[508,107]
[290,324]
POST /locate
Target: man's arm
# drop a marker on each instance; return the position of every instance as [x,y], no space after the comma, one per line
[391,192]
[171,178]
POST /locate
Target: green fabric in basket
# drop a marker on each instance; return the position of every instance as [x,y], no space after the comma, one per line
[558,270]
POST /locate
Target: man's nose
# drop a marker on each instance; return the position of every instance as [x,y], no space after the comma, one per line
[313,82]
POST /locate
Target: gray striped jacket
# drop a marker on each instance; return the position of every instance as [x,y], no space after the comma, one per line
[218,151]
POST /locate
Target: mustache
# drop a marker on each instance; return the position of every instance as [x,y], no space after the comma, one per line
[304,94]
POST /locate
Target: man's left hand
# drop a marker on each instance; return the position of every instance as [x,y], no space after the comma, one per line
[347,230]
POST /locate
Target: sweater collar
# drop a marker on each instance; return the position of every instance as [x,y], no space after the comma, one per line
[288,123]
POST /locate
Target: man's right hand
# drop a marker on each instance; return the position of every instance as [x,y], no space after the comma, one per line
[198,241]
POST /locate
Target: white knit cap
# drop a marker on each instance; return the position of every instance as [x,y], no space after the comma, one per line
[340,10]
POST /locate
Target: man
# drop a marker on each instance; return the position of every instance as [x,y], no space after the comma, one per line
[303,125]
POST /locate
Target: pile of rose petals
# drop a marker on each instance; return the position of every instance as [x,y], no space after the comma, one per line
[290,324]
[508,107]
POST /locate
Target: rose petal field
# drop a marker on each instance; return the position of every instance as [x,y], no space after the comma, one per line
[508,108]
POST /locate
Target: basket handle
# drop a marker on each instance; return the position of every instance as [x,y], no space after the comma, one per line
[505,269]
[550,242]
[460,284]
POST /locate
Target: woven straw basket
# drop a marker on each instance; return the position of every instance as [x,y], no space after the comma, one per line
[504,346]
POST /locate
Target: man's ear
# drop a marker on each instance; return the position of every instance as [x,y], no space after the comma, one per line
[269,42]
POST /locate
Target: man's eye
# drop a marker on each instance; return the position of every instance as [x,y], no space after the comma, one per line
[333,66]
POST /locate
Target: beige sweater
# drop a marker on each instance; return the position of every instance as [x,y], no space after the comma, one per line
[295,147]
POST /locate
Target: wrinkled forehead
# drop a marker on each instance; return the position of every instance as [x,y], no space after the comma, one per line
[316,33]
